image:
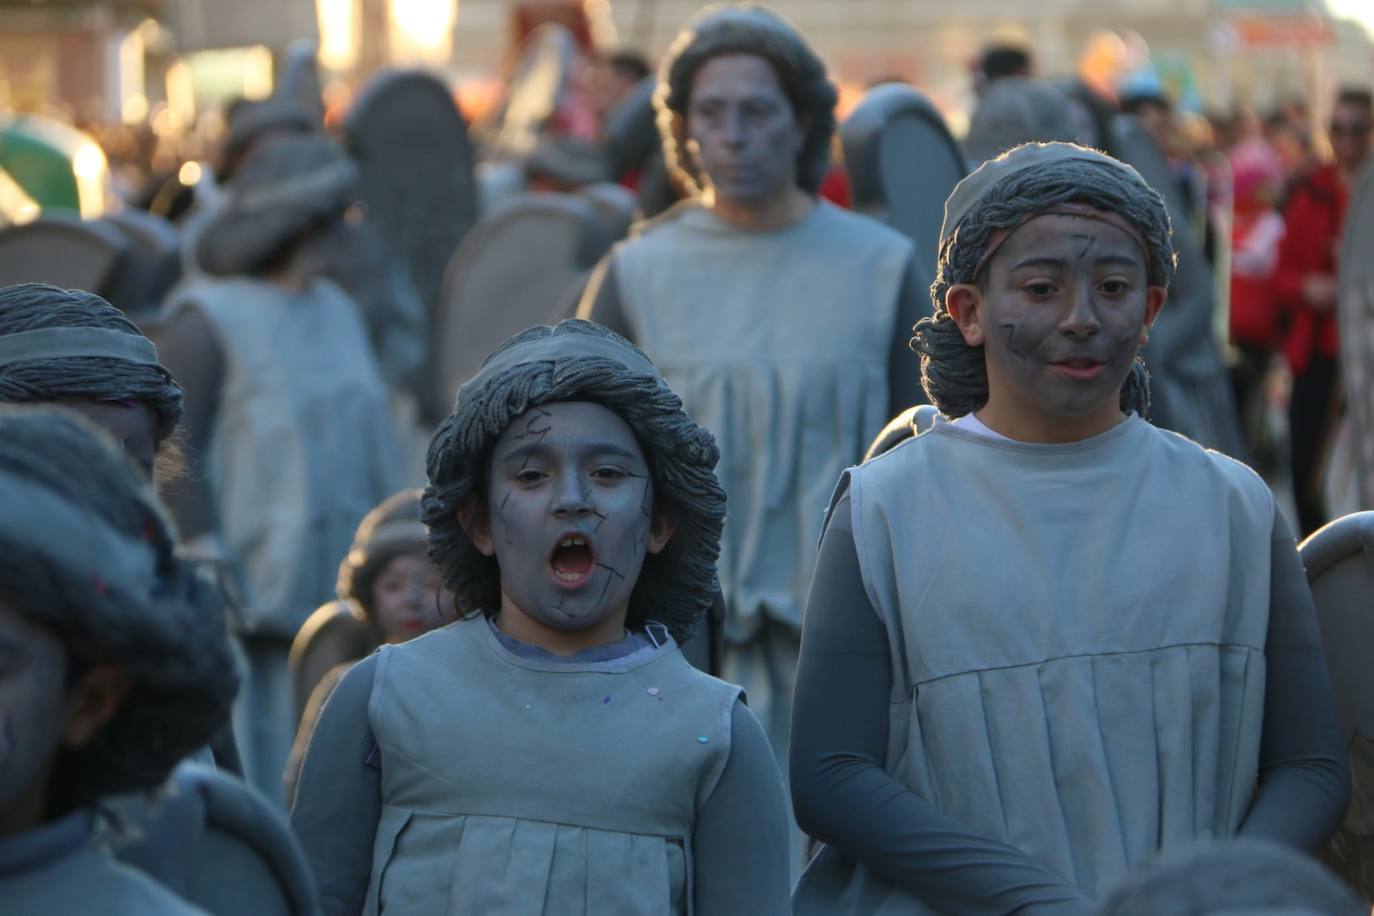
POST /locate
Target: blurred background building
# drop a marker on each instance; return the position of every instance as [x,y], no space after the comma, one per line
[103,58]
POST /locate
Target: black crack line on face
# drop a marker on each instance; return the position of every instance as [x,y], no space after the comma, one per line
[531,431]
[529,426]
[642,536]
[607,584]
[1086,242]
[1010,328]
[600,519]
[501,516]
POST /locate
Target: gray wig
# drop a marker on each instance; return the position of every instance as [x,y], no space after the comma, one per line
[746,28]
[86,552]
[676,586]
[953,373]
[37,306]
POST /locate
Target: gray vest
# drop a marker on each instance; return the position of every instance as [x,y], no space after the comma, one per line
[1077,645]
[302,444]
[513,785]
[778,343]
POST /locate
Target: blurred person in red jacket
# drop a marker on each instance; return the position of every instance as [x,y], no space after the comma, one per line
[1305,284]
[1256,232]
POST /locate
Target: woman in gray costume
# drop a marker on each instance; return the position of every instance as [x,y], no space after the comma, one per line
[73,348]
[781,319]
[574,763]
[1045,638]
[287,421]
[112,667]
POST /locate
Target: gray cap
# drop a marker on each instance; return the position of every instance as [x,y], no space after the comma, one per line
[968,192]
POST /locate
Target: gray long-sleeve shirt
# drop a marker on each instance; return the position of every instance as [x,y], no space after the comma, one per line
[843,796]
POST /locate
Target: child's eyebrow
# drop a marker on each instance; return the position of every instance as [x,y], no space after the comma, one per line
[526,452]
[1056,263]
[1120,260]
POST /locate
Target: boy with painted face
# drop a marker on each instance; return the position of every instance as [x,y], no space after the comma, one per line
[581,764]
[1046,638]
[113,663]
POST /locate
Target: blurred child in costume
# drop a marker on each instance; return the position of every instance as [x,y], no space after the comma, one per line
[389,592]
[113,663]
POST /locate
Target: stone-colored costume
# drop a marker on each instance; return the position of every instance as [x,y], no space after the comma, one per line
[58,869]
[515,829]
[1023,633]
[778,342]
[300,452]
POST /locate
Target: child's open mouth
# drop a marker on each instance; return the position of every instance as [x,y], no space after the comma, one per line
[572,561]
[1083,369]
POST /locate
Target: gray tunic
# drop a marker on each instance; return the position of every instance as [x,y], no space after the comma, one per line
[1130,696]
[779,343]
[56,869]
[606,827]
[301,447]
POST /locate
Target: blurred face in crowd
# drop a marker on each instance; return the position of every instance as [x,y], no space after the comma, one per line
[1060,311]
[132,425]
[1350,135]
[406,597]
[741,131]
[43,709]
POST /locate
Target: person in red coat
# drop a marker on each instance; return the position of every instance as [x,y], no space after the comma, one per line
[1305,284]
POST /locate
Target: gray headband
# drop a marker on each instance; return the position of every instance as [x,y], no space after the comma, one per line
[398,533]
[556,347]
[970,191]
[66,343]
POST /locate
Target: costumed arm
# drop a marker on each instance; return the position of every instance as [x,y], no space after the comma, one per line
[903,365]
[840,791]
[601,299]
[339,796]
[188,347]
[1304,777]
[740,843]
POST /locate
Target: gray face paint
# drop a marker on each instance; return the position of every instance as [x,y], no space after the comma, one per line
[33,669]
[132,426]
[741,129]
[1064,307]
[570,505]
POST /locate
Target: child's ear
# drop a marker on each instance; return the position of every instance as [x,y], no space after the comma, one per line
[1154,302]
[92,701]
[964,302]
[476,522]
[662,524]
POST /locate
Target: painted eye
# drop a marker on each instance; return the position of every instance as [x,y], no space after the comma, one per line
[1040,290]
[609,473]
[529,475]
[1114,287]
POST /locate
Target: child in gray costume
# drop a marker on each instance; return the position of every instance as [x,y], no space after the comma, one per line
[552,751]
[1045,638]
[112,666]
